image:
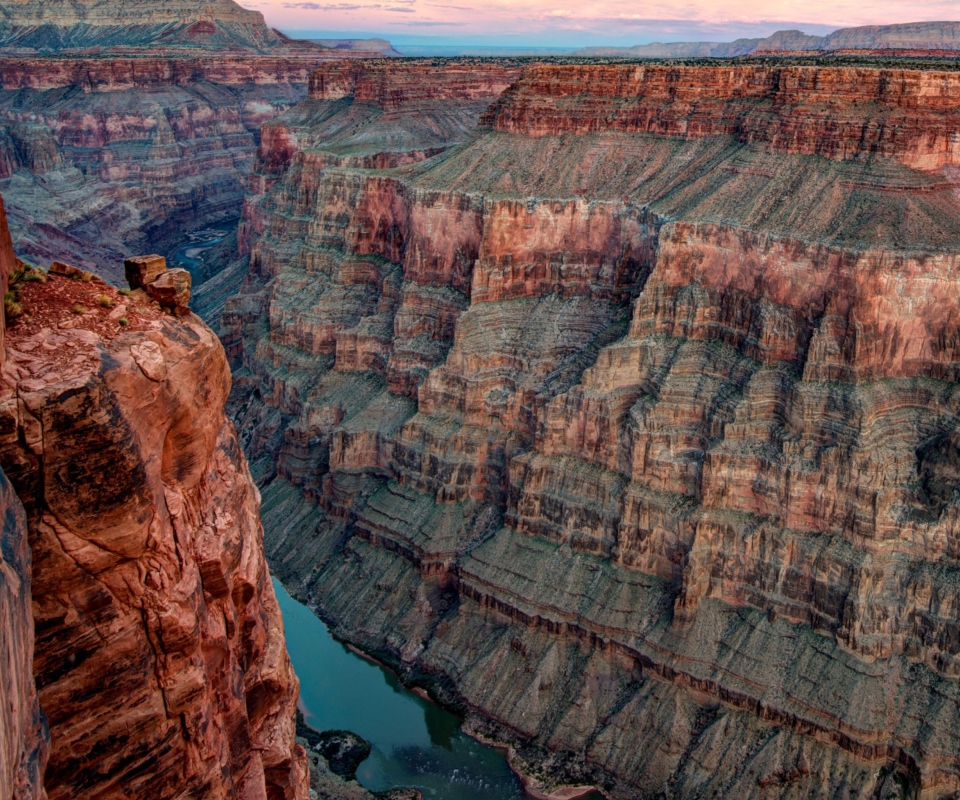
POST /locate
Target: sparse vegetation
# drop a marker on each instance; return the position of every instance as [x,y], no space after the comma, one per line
[79,309]
[105,301]
[11,306]
[123,322]
[24,273]
[86,277]
[124,292]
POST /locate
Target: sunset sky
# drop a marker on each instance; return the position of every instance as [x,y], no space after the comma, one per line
[586,22]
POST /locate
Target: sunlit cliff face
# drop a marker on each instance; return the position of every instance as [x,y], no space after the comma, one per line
[572,23]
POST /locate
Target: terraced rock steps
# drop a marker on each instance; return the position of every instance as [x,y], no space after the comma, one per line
[621,413]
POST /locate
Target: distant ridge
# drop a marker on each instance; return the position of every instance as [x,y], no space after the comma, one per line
[55,26]
[374,46]
[910,36]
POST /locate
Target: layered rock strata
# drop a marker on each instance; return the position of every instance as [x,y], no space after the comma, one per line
[98,158]
[160,658]
[23,735]
[35,25]
[626,420]
[124,124]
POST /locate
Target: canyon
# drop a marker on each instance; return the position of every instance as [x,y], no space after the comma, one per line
[616,406]
[122,125]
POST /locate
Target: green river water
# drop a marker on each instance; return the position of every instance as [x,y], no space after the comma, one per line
[415,742]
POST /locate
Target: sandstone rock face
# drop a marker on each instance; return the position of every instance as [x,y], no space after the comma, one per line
[627,421]
[23,735]
[160,658]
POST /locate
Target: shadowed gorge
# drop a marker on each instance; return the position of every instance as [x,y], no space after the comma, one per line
[616,405]
[124,125]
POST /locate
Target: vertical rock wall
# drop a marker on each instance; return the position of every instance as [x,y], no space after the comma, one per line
[160,658]
[23,735]
[24,739]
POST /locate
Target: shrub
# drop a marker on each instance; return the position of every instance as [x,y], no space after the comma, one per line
[123,321]
[105,301]
[11,307]
[124,292]
[79,309]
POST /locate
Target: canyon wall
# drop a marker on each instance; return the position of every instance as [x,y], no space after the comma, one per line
[159,657]
[623,414]
[101,157]
[123,125]
[23,735]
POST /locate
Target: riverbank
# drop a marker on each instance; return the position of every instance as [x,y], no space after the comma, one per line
[415,742]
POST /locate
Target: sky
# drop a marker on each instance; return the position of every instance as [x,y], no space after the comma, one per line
[575,23]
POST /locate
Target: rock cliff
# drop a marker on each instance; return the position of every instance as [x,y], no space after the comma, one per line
[45,26]
[625,421]
[159,658]
[23,735]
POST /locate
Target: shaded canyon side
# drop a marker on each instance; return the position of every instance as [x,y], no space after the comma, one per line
[618,406]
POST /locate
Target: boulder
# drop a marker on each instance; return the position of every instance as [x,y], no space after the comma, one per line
[172,291]
[70,271]
[141,270]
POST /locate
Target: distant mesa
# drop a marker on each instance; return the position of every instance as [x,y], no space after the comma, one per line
[372,46]
[911,37]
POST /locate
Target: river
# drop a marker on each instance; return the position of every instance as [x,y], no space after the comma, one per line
[190,255]
[415,742]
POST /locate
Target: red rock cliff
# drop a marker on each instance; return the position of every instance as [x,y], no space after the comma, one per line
[630,415]
[23,735]
[841,113]
[160,658]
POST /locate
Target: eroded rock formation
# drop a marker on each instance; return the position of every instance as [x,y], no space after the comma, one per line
[53,27]
[625,420]
[124,124]
[160,659]
[23,734]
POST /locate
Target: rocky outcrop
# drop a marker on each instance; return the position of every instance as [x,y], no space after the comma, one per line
[160,659]
[915,38]
[625,421]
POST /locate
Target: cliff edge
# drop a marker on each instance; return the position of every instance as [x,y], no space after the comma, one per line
[160,658]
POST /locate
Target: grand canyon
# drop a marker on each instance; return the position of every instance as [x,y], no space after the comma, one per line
[612,403]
